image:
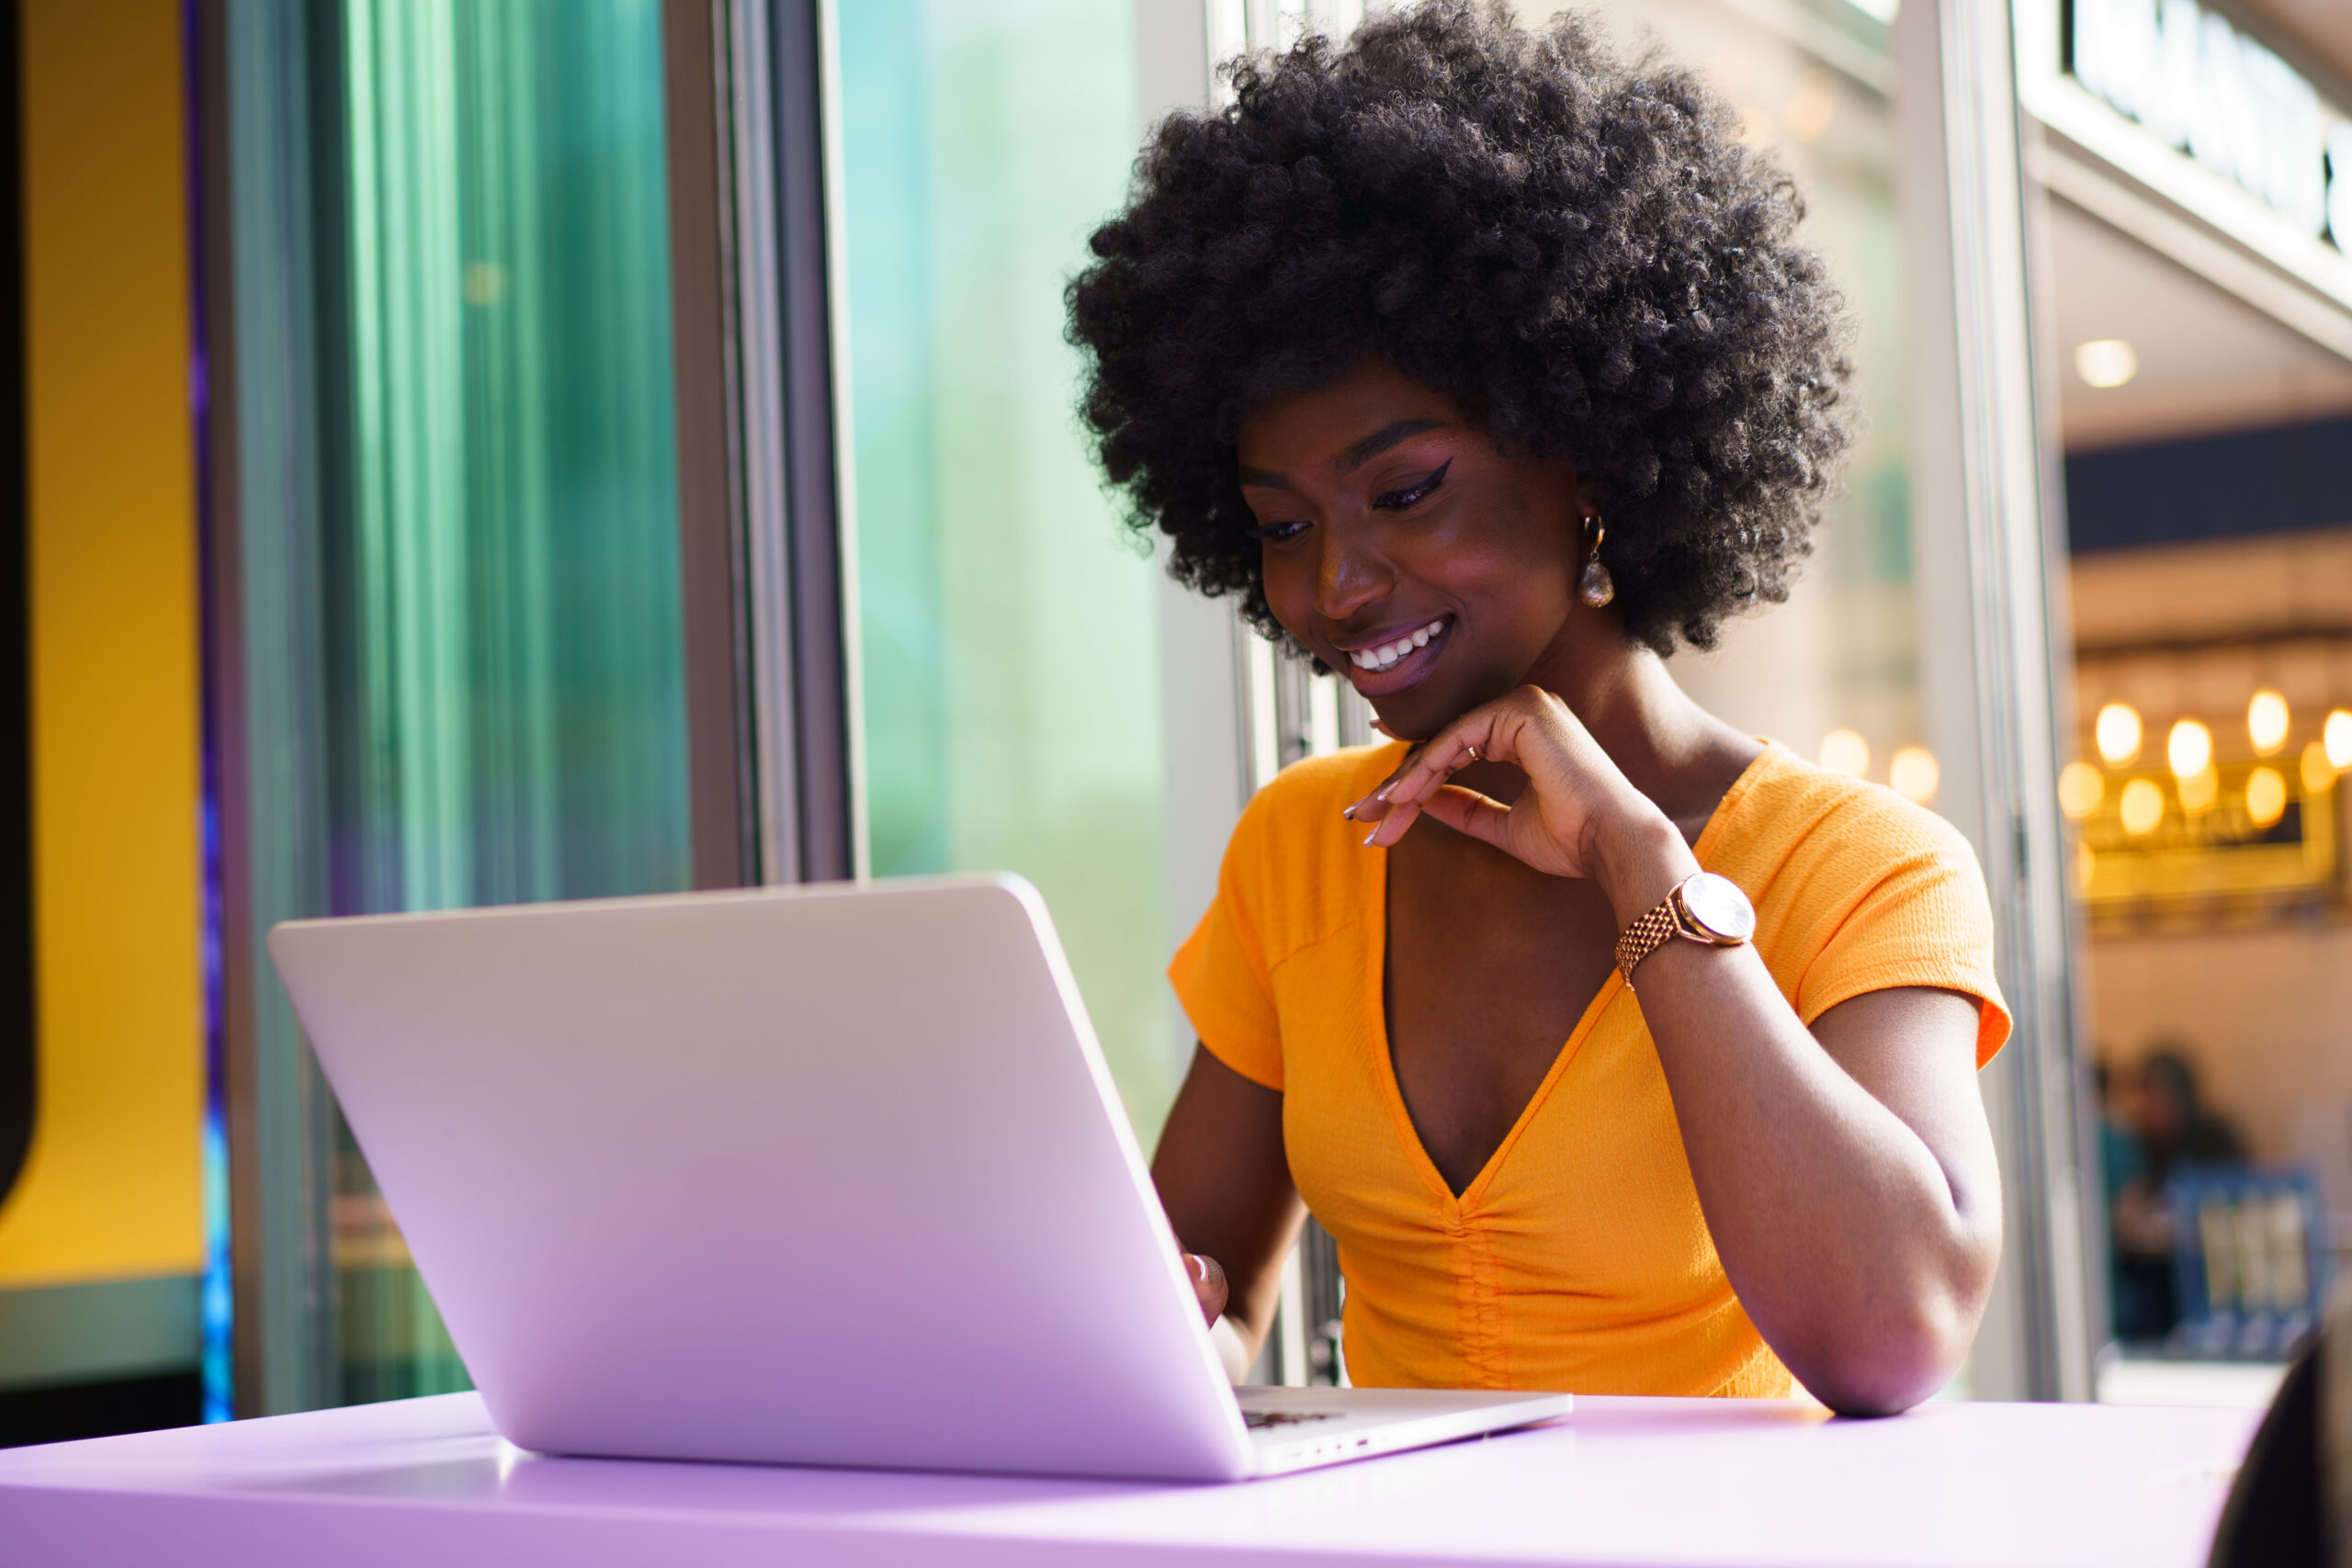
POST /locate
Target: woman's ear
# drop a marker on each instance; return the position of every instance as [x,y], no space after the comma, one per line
[1584,495]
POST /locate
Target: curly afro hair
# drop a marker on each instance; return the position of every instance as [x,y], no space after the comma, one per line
[1579,252]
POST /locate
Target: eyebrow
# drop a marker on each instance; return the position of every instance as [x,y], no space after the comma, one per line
[1380,441]
[1355,457]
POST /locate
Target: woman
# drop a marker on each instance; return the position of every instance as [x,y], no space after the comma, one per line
[1483,368]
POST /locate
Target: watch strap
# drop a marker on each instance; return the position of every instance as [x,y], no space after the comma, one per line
[1645,935]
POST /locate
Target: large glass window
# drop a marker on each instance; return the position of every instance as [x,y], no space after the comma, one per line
[1009,640]
[2205,407]
[1834,672]
[457,548]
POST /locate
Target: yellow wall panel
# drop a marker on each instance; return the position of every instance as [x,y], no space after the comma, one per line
[113,1183]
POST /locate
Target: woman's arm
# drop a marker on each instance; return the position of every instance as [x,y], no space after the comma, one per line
[1846,1173]
[1224,1181]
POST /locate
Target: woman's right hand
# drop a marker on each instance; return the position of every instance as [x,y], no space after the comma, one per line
[1223,1178]
[1208,1284]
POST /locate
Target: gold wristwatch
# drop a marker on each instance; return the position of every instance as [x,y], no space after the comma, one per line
[1703,907]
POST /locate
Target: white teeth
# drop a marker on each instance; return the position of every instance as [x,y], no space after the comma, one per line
[1388,653]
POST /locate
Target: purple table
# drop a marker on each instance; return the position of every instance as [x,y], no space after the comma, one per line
[1624,1481]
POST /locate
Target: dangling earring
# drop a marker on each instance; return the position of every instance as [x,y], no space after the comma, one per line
[1596,587]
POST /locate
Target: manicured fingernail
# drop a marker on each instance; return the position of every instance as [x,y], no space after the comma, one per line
[1368,837]
[1382,792]
[1349,812]
[1200,1268]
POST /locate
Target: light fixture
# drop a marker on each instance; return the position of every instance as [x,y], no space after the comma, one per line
[2189,749]
[1844,751]
[2319,768]
[2265,796]
[2080,789]
[2118,733]
[1913,773]
[2142,807]
[2336,736]
[2266,722]
[2105,362]
[1808,112]
[2199,790]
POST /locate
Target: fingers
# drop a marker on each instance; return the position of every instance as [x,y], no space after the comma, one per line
[1374,806]
[1474,737]
[1208,1284]
[1469,813]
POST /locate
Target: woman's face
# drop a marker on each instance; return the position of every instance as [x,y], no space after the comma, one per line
[1385,519]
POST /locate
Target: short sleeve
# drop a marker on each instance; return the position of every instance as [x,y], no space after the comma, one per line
[1221,974]
[1923,920]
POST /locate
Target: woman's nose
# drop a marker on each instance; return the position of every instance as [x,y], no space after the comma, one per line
[1346,578]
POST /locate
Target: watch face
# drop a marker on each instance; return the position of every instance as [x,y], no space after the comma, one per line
[1716,903]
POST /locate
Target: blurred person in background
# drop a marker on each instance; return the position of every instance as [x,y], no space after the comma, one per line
[2171,1129]
[2122,1162]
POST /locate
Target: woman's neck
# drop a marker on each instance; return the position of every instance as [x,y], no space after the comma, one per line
[1670,748]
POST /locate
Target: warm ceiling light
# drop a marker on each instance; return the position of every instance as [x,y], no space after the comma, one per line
[2265,796]
[1913,772]
[1844,751]
[2336,736]
[1808,114]
[2080,789]
[2118,733]
[2266,721]
[2319,768]
[2142,807]
[2189,749]
[2105,362]
[2199,790]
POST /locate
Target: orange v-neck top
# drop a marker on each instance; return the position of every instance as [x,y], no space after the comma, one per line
[1577,1260]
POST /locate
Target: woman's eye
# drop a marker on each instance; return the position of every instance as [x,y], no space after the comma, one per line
[1414,494]
[1277,533]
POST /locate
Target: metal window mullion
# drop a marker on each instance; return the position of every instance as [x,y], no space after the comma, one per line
[1988,658]
[799,506]
[757,343]
[711,536]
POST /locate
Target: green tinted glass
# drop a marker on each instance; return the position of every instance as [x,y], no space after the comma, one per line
[1009,634]
[457,538]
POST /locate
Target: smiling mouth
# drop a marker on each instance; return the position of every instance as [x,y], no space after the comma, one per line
[1388,655]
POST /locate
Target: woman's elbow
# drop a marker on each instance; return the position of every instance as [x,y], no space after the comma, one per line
[1892,1369]
[1898,1359]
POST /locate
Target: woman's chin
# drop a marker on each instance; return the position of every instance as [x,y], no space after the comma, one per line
[1407,720]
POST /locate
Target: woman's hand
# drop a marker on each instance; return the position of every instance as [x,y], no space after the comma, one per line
[1235,1350]
[1576,801]
[1208,1284]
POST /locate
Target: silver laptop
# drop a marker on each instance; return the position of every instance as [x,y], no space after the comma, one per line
[827,1175]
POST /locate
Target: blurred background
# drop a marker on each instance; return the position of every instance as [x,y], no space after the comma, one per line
[471,451]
